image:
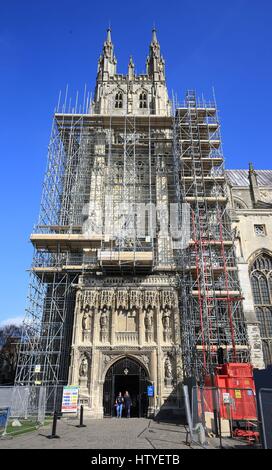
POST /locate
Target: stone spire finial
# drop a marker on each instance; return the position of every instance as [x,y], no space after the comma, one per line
[155,63]
[154,35]
[109,34]
[131,68]
[107,60]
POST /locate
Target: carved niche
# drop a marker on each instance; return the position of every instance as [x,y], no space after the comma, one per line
[166,317]
[104,323]
[149,323]
[168,370]
[86,322]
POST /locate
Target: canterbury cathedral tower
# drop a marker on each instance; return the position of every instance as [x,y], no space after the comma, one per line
[135,284]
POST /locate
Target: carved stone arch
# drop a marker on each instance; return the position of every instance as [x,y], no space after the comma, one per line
[113,361]
[252,258]
[239,201]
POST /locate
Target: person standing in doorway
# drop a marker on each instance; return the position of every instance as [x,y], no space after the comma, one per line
[128,403]
[119,405]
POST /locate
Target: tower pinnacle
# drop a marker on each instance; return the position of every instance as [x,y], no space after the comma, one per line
[154,36]
[109,35]
[107,61]
[155,63]
[131,67]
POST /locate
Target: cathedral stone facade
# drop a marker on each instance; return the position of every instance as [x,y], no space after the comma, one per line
[127,323]
[122,305]
[125,320]
[117,319]
[250,203]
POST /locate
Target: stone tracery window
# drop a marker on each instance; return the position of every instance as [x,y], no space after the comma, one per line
[119,100]
[143,100]
[261,284]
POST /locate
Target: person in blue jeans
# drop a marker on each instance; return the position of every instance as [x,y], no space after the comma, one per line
[119,405]
[128,403]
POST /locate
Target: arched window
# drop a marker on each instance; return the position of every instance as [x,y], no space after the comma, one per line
[261,284]
[119,100]
[143,100]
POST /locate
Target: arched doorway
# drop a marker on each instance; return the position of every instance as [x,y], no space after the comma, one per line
[126,374]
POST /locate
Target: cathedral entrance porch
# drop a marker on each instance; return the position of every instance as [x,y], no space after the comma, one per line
[126,337]
[126,375]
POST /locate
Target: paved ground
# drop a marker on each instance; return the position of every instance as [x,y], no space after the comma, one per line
[134,433]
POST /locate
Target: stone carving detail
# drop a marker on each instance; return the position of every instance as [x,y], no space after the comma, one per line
[130,305]
[149,323]
[104,324]
[177,325]
[266,195]
[145,360]
[151,298]
[179,369]
[166,322]
[107,359]
[122,299]
[168,372]
[83,369]
[91,297]
[152,280]
[107,297]
[167,298]
[85,350]
[79,301]
[86,322]
[136,298]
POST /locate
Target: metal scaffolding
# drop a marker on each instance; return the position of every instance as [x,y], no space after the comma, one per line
[106,177]
[96,163]
[211,303]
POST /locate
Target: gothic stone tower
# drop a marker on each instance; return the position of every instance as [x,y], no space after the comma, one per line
[126,332]
[117,300]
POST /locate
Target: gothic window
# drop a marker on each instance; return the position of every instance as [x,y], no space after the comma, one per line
[143,100]
[119,100]
[261,284]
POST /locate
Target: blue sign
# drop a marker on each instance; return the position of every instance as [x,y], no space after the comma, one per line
[150,390]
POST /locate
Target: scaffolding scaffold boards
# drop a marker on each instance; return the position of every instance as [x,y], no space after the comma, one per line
[212,312]
[106,177]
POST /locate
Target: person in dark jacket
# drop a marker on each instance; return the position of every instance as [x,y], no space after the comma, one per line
[119,405]
[128,403]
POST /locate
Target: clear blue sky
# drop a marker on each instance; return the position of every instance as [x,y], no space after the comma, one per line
[46,44]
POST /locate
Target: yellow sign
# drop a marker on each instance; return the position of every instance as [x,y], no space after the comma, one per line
[238,393]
